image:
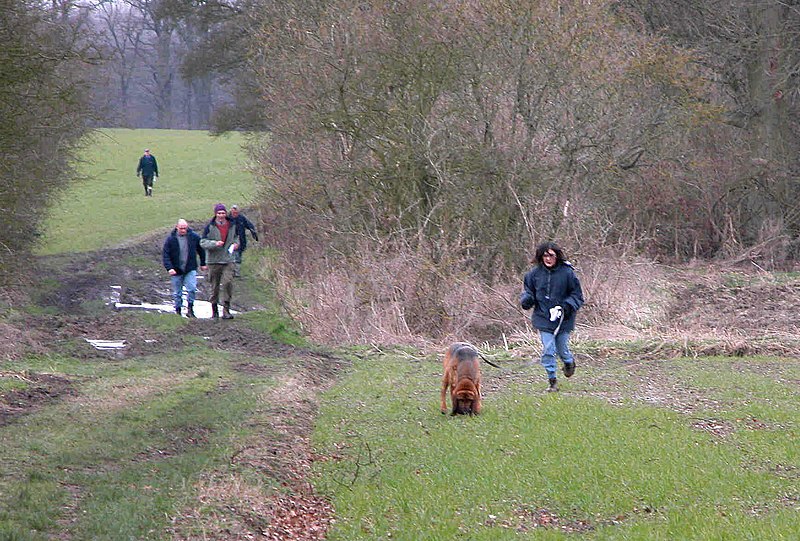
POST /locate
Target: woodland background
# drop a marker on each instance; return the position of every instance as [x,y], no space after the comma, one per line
[411,153]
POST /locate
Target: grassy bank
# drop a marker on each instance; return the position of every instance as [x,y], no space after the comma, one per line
[542,466]
[129,454]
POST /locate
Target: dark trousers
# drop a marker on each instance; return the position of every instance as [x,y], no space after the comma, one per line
[221,277]
[147,181]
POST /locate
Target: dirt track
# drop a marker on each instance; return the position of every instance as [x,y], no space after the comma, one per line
[75,303]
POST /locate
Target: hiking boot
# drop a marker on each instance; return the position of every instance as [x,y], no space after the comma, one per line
[553,388]
[226,312]
[214,311]
[569,369]
[190,311]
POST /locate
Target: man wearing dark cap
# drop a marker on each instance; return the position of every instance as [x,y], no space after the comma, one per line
[148,168]
[245,225]
[222,237]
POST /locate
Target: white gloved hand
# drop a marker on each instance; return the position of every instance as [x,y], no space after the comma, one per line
[555,312]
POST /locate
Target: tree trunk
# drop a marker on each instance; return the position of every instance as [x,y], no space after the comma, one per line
[774,146]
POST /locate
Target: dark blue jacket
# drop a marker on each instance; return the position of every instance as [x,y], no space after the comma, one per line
[546,288]
[148,166]
[244,225]
[171,253]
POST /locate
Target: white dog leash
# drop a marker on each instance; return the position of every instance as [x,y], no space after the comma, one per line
[560,318]
[487,361]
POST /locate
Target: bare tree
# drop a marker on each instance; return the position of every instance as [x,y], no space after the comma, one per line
[43,114]
[749,51]
[124,32]
[456,136]
[156,56]
[488,120]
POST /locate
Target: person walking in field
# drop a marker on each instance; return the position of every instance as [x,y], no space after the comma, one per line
[244,225]
[148,169]
[181,248]
[553,291]
[221,238]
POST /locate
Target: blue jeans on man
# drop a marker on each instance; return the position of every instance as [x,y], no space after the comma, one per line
[181,281]
[553,345]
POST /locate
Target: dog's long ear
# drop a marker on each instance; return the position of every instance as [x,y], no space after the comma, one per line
[466,394]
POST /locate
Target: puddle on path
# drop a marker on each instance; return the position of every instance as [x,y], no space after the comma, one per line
[202,309]
[105,345]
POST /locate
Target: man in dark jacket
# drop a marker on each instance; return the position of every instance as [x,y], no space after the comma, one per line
[148,168]
[179,255]
[554,292]
[244,225]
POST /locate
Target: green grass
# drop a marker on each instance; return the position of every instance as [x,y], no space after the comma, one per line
[258,278]
[404,471]
[129,463]
[107,204]
[11,383]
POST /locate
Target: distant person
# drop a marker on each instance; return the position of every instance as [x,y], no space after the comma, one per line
[554,292]
[244,226]
[180,252]
[148,168]
[222,237]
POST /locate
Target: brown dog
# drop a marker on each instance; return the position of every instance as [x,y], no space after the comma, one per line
[462,373]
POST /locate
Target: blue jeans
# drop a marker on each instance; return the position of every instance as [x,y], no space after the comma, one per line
[179,281]
[552,345]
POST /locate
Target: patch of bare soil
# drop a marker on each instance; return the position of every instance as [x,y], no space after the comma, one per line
[37,391]
[232,511]
[76,302]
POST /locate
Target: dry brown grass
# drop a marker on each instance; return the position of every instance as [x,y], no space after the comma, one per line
[695,310]
[404,299]
[16,340]
[233,505]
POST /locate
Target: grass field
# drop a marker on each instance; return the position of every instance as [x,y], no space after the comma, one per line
[130,450]
[541,466]
[107,205]
[148,433]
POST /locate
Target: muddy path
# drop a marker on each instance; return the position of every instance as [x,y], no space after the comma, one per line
[74,301]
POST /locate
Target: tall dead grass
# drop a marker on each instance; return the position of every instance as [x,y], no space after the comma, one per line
[405,298]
